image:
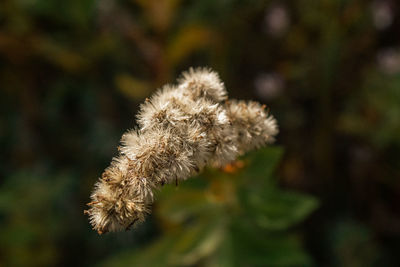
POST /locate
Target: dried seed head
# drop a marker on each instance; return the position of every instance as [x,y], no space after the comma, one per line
[182,129]
[252,125]
[202,82]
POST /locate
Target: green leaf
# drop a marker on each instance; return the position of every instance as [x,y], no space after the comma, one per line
[154,255]
[278,210]
[262,164]
[179,206]
[198,240]
[223,256]
[184,246]
[255,247]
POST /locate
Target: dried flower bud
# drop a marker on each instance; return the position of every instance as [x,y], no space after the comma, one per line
[182,129]
[202,82]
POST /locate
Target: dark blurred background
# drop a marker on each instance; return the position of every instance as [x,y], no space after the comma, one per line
[72,76]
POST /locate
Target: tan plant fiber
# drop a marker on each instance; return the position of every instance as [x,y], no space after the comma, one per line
[182,129]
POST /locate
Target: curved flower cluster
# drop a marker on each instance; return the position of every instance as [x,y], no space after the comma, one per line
[182,128]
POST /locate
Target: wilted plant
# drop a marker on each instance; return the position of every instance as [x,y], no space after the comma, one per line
[182,128]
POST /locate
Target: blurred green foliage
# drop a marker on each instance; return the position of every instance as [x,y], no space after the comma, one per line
[239,218]
[73,73]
